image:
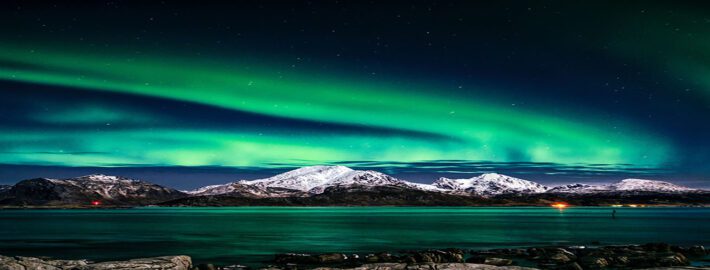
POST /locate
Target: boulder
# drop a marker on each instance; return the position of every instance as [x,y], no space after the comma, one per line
[676,259]
[593,262]
[619,261]
[502,252]
[696,251]
[692,251]
[23,263]
[656,259]
[296,258]
[158,263]
[551,256]
[162,263]
[535,253]
[490,261]
[435,256]
[560,256]
[332,258]
[381,258]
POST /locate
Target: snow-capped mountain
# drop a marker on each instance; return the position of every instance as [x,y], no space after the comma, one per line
[626,185]
[311,180]
[246,190]
[579,188]
[308,180]
[648,185]
[85,189]
[489,184]
[110,187]
[314,179]
[339,185]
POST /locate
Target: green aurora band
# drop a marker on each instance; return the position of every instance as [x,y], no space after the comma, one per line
[464,128]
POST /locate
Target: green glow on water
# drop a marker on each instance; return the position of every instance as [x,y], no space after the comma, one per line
[248,235]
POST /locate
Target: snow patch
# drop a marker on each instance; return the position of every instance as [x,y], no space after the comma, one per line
[623,185]
[490,184]
[312,179]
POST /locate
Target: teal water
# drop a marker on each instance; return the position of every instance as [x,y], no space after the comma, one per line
[249,235]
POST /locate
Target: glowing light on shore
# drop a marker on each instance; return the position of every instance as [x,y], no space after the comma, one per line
[560,205]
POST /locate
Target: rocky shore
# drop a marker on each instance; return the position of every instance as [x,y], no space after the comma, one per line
[651,255]
[646,256]
[31,263]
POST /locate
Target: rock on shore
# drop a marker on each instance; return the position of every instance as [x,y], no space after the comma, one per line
[614,257]
[156,263]
[430,266]
[652,255]
[27,263]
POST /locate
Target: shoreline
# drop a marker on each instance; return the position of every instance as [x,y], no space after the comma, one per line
[118,207]
[634,256]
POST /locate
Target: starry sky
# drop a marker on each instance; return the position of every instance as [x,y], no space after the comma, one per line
[187,94]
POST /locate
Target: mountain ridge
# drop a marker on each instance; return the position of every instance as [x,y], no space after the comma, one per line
[308,180]
[339,185]
[629,184]
[314,179]
[95,189]
[489,184]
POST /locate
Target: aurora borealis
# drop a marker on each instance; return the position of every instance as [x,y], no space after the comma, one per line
[548,89]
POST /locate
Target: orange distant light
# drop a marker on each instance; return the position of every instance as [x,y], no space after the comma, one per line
[559,205]
[95,203]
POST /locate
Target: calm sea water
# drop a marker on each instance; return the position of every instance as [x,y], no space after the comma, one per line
[249,235]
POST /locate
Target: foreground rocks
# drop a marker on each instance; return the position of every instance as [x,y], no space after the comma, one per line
[27,263]
[431,266]
[166,263]
[157,263]
[653,255]
[408,257]
[614,257]
[647,256]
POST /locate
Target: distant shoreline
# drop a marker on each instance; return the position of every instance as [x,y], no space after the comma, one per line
[321,186]
[70,207]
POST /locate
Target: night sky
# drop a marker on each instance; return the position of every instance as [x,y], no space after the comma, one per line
[189,94]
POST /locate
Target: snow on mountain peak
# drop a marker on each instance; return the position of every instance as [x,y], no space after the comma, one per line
[99,177]
[312,179]
[490,184]
[492,176]
[316,179]
[648,185]
[578,188]
[102,178]
[312,170]
[362,178]
[623,185]
[303,179]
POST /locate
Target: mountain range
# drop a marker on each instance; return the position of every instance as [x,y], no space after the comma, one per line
[307,181]
[96,189]
[316,179]
[340,185]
